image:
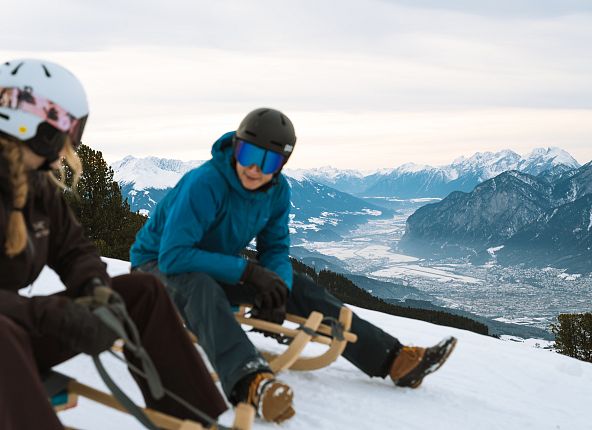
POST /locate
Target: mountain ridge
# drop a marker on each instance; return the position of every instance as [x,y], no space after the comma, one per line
[528,219]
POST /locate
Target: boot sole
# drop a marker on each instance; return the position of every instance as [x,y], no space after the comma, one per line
[450,344]
[277,403]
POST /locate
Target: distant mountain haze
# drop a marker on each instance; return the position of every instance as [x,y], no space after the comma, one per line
[412,180]
[536,220]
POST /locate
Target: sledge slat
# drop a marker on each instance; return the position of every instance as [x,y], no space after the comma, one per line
[279,329]
[291,354]
[336,347]
[335,350]
[64,401]
[325,329]
[244,415]
[161,420]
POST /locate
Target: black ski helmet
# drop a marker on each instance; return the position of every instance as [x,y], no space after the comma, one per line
[269,129]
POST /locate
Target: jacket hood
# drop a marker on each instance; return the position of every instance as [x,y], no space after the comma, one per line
[223,159]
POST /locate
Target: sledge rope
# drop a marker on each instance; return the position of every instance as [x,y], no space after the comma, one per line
[209,420]
[116,317]
[337,328]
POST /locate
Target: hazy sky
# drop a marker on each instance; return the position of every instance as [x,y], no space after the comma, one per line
[367,83]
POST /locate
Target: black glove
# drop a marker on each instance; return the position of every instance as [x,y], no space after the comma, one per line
[271,290]
[79,329]
[87,332]
[95,293]
[274,315]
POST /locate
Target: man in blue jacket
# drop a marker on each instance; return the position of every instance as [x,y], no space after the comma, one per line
[193,243]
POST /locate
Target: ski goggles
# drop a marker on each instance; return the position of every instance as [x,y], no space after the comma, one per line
[55,115]
[248,154]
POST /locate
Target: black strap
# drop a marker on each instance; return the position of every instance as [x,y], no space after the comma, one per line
[336,328]
[205,418]
[121,397]
[115,316]
[112,316]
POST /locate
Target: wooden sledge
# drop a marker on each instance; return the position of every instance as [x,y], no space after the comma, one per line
[310,329]
[64,391]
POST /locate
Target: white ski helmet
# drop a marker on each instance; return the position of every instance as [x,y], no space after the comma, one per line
[39,99]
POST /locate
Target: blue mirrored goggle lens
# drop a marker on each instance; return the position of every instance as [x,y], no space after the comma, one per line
[273,162]
[248,154]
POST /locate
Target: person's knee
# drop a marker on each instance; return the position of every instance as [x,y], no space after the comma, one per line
[139,285]
[196,286]
[11,333]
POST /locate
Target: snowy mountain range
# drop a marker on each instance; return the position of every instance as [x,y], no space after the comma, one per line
[145,181]
[527,219]
[324,205]
[487,384]
[412,180]
[319,212]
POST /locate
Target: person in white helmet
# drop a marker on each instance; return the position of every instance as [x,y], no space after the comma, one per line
[43,110]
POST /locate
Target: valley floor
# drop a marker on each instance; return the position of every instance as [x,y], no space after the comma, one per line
[520,295]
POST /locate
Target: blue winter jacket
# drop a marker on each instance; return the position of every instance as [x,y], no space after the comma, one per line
[208,218]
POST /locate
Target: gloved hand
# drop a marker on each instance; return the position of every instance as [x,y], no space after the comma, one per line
[96,293]
[274,315]
[271,290]
[87,332]
[78,329]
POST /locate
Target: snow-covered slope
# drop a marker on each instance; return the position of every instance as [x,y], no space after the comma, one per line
[487,384]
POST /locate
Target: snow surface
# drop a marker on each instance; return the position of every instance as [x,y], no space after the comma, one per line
[555,154]
[493,250]
[487,384]
[426,272]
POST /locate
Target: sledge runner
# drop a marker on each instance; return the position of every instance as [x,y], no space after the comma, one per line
[193,241]
[43,110]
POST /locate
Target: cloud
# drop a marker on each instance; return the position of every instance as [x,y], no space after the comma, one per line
[175,75]
[504,8]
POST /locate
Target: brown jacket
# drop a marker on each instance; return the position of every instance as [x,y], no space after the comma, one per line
[56,239]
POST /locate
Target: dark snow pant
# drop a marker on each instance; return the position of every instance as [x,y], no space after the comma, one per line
[23,357]
[205,306]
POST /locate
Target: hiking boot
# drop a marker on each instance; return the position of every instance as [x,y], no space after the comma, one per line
[413,363]
[271,398]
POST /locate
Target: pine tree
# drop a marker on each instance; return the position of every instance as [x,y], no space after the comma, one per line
[100,208]
[573,335]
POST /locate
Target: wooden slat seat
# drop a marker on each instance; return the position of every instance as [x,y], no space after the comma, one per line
[60,387]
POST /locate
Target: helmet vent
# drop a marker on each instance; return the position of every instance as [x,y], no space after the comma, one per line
[276,143]
[250,133]
[46,71]
[263,112]
[4,116]
[283,118]
[15,71]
